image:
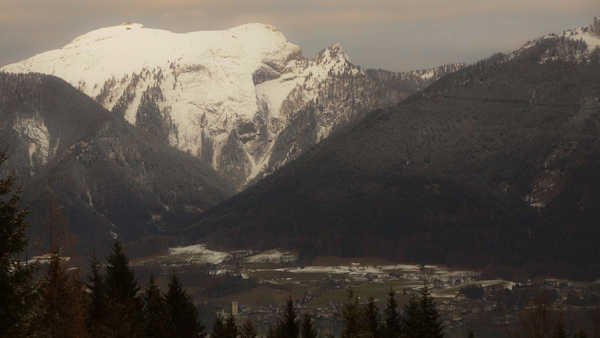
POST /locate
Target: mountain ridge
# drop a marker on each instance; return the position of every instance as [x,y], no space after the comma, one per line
[492,165]
[223,96]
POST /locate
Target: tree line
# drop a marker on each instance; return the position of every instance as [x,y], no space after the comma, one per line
[110,303]
[58,302]
[419,318]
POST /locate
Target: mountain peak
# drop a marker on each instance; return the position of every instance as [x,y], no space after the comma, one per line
[334,54]
[336,47]
[255,26]
[571,45]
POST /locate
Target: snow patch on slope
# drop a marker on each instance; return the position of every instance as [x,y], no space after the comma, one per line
[590,38]
[272,256]
[588,35]
[199,253]
[34,130]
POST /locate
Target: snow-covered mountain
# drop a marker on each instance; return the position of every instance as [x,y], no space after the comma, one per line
[580,45]
[244,100]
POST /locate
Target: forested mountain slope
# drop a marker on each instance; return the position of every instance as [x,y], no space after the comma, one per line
[494,164]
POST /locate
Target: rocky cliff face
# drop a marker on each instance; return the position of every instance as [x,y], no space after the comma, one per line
[238,99]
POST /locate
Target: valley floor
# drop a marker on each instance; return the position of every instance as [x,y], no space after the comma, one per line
[259,283]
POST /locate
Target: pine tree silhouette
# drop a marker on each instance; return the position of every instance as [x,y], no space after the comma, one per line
[61,308]
[183,314]
[125,317]
[156,316]
[351,316]
[218,329]
[248,330]
[231,328]
[392,317]
[372,320]
[412,319]
[559,329]
[97,301]
[289,327]
[432,326]
[16,283]
[307,329]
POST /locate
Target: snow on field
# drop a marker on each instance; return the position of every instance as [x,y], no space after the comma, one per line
[407,272]
[342,269]
[272,256]
[403,267]
[199,253]
[45,259]
[443,294]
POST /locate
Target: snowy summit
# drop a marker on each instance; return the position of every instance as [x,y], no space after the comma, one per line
[208,89]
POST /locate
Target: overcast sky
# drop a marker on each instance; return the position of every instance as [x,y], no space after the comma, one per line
[392,34]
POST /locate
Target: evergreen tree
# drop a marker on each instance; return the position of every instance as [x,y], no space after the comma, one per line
[372,320]
[289,327]
[124,308]
[471,334]
[231,329]
[79,306]
[536,321]
[307,329]
[248,330]
[412,319]
[16,286]
[559,329]
[351,317]
[97,307]
[432,326]
[392,317]
[61,308]
[182,312]
[218,329]
[120,279]
[156,316]
[271,332]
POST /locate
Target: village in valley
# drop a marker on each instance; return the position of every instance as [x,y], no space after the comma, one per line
[255,285]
